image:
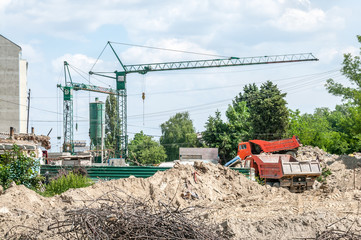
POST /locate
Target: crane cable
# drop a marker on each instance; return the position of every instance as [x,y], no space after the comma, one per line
[143,96]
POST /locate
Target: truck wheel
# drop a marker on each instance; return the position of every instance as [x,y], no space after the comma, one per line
[292,153]
[276,185]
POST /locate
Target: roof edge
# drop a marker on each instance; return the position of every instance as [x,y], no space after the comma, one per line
[11,42]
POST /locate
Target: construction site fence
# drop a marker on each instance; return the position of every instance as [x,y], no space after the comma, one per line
[112,172]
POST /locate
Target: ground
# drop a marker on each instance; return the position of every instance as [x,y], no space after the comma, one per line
[236,207]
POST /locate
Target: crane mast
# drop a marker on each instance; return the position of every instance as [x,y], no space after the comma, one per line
[120,78]
[68,114]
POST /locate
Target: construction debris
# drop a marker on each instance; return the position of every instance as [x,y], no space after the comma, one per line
[232,206]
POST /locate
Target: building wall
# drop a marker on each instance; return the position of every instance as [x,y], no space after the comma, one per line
[23,94]
[198,153]
[11,115]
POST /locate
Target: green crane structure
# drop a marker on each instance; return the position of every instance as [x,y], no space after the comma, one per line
[120,78]
[68,117]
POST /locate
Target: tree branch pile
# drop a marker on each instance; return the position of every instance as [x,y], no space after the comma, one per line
[111,217]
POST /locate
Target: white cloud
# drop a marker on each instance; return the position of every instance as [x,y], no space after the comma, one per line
[4,4]
[80,61]
[295,20]
[30,53]
[351,49]
[327,55]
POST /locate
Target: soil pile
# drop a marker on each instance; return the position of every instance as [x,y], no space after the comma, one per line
[237,207]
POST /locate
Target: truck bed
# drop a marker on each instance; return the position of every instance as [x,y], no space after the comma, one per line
[282,165]
[278,145]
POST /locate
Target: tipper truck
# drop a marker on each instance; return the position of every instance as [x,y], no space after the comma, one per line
[283,146]
[278,170]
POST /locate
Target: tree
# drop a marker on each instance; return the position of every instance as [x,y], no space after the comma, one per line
[145,150]
[177,132]
[110,121]
[226,135]
[352,70]
[20,168]
[324,129]
[268,112]
[349,123]
[216,135]
[254,113]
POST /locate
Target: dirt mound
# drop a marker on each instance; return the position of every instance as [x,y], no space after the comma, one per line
[238,207]
[182,185]
[312,153]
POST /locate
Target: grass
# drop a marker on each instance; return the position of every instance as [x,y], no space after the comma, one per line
[65,183]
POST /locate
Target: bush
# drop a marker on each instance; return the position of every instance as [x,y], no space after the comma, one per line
[66,182]
[325,173]
[17,167]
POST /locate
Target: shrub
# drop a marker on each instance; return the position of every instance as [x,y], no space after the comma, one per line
[66,182]
[17,167]
[325,173]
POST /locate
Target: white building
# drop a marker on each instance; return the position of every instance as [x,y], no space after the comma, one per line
[13,90]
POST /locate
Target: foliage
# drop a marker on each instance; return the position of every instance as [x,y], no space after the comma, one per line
[216,135]
[352,70]
[260,180]
[226,135]
[336,131]
[325,173]
[268,112]
[177,132]
[20,168]
[66,182]
[145,150]
[254,113]
[111,121]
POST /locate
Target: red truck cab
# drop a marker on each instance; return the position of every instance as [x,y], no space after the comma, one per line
[253,147]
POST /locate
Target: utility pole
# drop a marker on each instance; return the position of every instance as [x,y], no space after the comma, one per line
[27,120]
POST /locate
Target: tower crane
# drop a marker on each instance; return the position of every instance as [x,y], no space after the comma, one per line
[68,117]
[120,78]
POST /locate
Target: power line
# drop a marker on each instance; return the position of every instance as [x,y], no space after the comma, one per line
[171,50]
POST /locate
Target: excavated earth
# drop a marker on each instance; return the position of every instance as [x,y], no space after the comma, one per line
[236,206]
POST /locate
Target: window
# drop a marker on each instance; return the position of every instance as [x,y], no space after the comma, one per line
[243,146]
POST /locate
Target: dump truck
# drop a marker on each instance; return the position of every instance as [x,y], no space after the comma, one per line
[283,146]
[276,163]
[282,170]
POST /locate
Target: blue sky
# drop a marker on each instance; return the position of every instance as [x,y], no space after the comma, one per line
[51,31]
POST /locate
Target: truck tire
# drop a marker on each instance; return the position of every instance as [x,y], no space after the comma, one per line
[276,185]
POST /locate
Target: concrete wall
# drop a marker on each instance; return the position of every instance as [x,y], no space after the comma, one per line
[11,115]
[198,153]
[23,94]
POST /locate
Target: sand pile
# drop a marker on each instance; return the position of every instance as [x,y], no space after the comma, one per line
[236,206]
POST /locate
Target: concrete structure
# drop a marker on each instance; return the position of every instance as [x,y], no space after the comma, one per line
[210,154]
[13,90]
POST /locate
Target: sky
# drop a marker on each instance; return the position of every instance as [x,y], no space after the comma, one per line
[52,31]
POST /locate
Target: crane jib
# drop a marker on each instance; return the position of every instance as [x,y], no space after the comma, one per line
[212,63]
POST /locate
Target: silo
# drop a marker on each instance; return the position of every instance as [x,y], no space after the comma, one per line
[97,121]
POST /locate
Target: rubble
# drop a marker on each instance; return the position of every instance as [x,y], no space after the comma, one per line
[214,195]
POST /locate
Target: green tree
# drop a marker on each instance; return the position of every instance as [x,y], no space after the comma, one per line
[20,168]
[226,135]
[110,121]
[216,136]
[348,120]
[177,132]
[238,125]
[352,70]
[145,150]
[268,112]
[254,113]
[323,128]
